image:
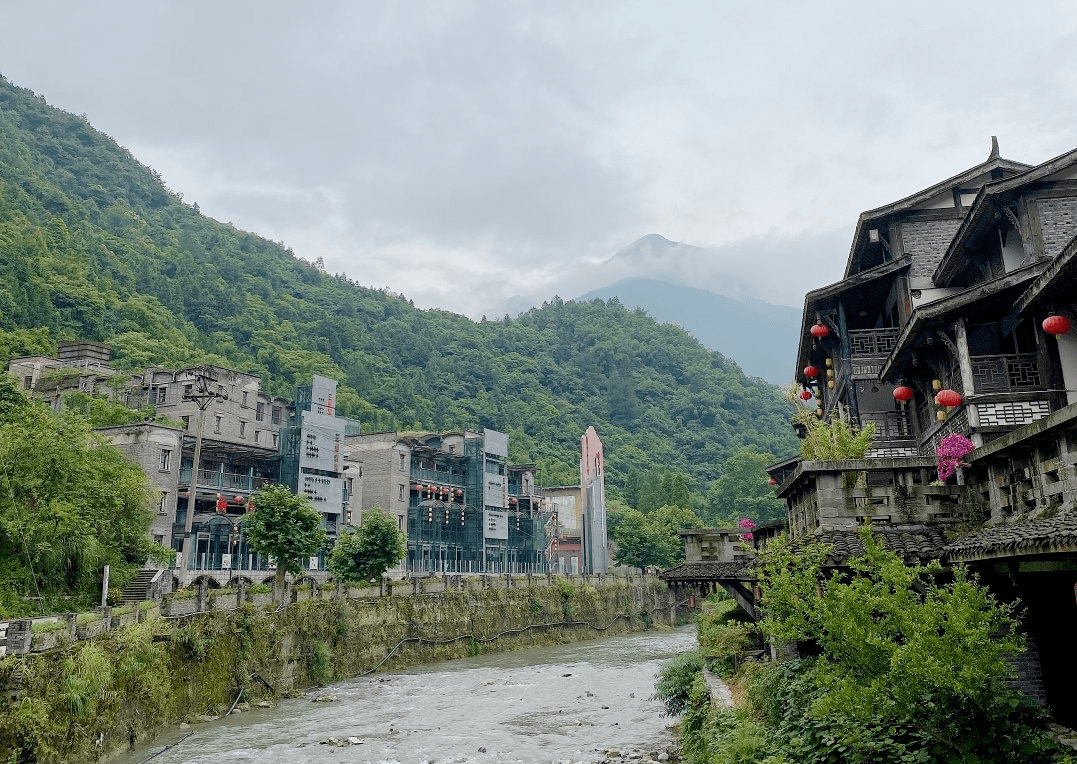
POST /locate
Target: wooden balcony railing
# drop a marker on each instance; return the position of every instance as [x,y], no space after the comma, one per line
[1003,373]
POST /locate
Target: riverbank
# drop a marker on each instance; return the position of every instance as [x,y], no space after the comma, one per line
[94,699]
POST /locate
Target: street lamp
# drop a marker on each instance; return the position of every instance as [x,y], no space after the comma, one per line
[204,392]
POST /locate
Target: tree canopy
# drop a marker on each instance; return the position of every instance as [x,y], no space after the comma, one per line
[285,526]
[69,505]
[364,553]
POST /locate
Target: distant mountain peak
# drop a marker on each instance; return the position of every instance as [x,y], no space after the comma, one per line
[650,247]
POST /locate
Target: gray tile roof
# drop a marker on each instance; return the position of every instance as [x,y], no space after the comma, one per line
[913,545]
[1039,536]
[710,570]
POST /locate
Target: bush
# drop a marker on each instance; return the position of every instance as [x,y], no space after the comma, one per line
[84,618]
[259,589]
[675,681]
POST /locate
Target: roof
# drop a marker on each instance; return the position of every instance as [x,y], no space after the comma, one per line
[1057,282]
[993,162]
[983,206]
[1029,537]
[912,545]
[814,298]
[990,297]
[710,570]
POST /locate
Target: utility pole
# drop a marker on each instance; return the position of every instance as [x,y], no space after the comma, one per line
[204,392]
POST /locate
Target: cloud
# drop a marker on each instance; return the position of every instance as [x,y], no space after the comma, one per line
[465,152]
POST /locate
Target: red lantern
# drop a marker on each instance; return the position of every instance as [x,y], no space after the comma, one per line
[948,398]
[811,371]
[772,481]
[222,504]
[819,331]
[903,393]
[1056,325]
[805,395]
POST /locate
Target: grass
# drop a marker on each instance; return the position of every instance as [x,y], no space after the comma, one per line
[43,627]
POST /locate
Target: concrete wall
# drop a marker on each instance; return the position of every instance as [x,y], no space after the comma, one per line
[209,658]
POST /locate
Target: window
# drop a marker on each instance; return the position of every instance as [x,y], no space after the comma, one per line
[27,382]
[217,425]
[274,440]
[400,522]
[452,449]
[186,422]
[187,390]
[276,414]
[401,462]
[257,436]
[244,399]
[166,460]
[160,395]
[260,411]
[400,494]
[242,429]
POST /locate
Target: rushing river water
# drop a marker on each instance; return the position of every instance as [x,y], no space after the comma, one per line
[539,705]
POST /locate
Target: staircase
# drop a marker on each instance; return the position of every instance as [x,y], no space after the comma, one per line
[144,586]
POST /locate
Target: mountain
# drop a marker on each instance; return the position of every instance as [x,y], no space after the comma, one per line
[761,338]
[94,246]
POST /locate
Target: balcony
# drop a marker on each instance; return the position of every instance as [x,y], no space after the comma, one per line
[1006,373]
[217,479]
[868,349]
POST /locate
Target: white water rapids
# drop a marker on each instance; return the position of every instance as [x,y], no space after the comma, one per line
[540,705]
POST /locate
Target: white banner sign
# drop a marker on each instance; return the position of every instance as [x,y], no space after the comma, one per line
[226,562]
[495,524]
[313,563]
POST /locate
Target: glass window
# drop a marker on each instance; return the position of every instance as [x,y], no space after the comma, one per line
[260,411]
[217,425]
[242,429]
[166,460]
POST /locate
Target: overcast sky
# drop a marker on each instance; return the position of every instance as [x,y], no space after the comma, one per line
[464,152]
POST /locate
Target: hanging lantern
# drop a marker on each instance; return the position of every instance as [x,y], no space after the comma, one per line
[936,384]
[949,398]
[239,500]
[829,362]
[811,372]
[830,384]
[458,493]
[772,481]
[805,395]
[1056,325]
[903,393]
[830,373]
[819,331]
[417,487]
[940,415]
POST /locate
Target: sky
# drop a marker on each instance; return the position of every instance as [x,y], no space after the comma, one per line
[472,155]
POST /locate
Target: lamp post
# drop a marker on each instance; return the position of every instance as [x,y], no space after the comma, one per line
[204,392]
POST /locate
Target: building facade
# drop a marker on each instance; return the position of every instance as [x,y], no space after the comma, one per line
[954,319]
[463,507]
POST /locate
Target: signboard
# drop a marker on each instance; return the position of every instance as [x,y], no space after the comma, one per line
[313,563]
[495,525]
[226,561]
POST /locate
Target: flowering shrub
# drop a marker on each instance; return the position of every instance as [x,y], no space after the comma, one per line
[950,452]
[747,524]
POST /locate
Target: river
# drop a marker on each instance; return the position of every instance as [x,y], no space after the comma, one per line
[567,702]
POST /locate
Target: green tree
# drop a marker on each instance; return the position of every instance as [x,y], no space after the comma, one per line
[635,540]
[70,503]
[665,522]
[369,550]
[285,526]
[742,490]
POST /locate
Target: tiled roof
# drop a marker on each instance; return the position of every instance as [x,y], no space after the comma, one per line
[1027,537]
[710,570]
[918,545]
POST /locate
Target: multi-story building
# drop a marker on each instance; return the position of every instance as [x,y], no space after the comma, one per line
[463,507]
[312,455]
[954,318]
[593,537]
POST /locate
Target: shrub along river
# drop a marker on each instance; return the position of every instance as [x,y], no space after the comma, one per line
[567,702]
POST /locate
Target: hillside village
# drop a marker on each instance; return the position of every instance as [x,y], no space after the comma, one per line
[464,508]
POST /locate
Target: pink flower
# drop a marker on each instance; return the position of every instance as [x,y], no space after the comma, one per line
[950,451]
[747,524]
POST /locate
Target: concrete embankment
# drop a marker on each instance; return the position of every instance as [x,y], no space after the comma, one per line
[90,699]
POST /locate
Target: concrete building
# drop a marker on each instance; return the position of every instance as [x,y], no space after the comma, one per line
[463,507]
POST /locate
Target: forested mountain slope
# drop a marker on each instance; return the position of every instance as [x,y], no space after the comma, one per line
[94,246]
